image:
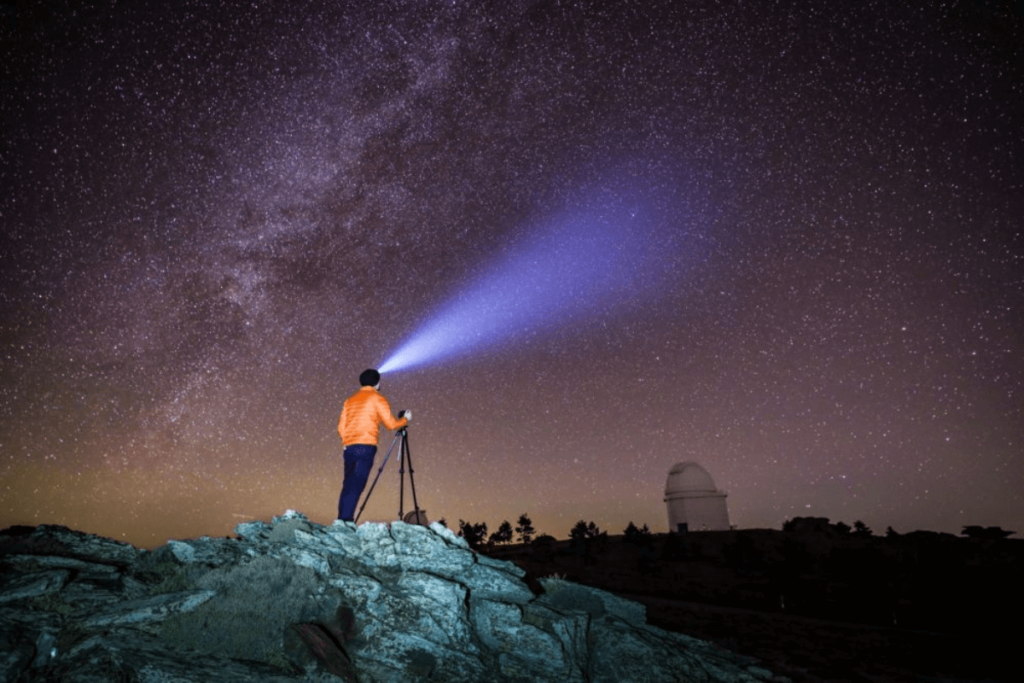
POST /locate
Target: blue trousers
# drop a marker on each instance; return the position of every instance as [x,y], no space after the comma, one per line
[358,463]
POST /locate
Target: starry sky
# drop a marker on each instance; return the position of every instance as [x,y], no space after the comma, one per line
[215,216]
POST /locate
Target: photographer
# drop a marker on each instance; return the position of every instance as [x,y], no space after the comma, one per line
[358,426]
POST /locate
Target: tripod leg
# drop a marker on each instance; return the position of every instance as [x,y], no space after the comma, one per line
[374,484]
[401,474]
[412,484]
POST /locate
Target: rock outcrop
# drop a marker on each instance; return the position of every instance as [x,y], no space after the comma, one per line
[298,601]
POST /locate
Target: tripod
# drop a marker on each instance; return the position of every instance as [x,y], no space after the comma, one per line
[403,457]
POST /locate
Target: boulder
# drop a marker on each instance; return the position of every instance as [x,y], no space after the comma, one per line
[292,600]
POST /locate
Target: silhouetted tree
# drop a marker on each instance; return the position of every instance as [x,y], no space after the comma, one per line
[890,532]
[990,532]
[841,529]
[475,534]
[578,541]
[544,547]
[443,522]
[861,529]
[636,536]
[587,531]
[524,527]
[587,539]
[807,524]
[503,534]
[644,541]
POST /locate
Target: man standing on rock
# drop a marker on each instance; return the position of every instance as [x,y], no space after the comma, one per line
[358,426]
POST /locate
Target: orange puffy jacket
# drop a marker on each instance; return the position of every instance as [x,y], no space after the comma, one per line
[361,416]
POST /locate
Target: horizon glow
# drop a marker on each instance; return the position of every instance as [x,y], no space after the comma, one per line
[577,268]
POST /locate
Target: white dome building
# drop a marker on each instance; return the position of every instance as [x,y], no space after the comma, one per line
[694,504]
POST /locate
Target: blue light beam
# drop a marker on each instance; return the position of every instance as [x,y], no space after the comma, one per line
[580,267]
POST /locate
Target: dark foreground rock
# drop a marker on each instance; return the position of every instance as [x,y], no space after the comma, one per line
[297,601]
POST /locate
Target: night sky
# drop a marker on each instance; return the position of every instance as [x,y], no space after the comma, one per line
[215,217]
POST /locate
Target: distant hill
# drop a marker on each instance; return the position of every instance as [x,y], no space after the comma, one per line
[815,601]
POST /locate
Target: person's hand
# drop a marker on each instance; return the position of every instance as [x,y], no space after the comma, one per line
[408,415]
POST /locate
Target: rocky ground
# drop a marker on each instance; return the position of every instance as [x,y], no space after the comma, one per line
[924,609]
[297,601]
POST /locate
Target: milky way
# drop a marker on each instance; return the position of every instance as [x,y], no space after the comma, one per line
[214,218]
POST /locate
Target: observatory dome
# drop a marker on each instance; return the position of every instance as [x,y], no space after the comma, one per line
[694,504]
[688,477]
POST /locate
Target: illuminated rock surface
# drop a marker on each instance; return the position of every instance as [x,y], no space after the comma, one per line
[294,600]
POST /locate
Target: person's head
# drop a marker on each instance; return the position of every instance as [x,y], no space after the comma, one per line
[369,378]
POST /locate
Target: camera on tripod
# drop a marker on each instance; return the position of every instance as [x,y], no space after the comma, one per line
[417,515]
